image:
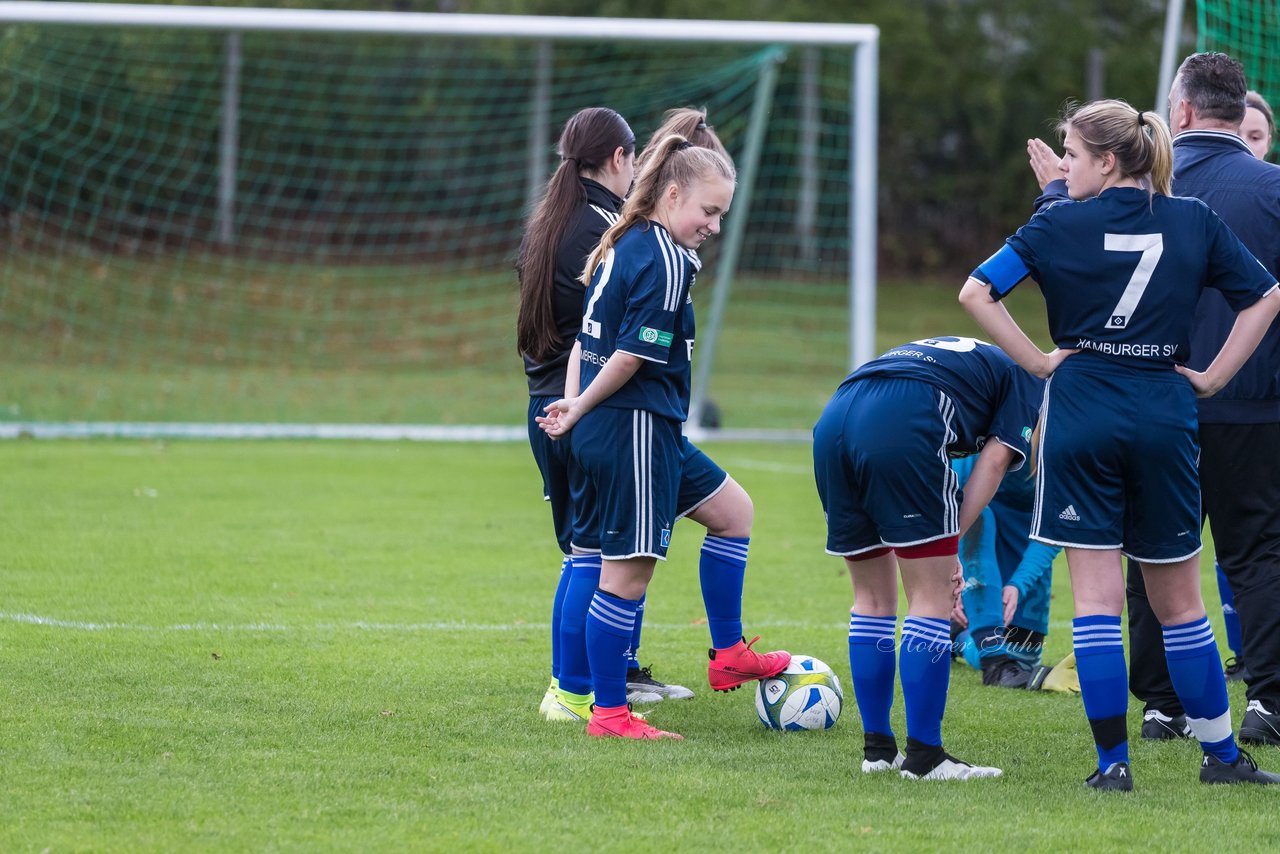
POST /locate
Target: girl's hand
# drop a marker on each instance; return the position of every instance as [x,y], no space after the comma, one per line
[560,417]
[1044,163]
[1009,598]
[957,601]
[1053,360]
[1200,381]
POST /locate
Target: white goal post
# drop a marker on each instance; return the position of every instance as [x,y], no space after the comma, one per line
[861,40]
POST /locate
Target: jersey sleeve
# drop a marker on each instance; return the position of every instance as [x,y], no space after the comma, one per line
[1233,269]
[1022,255]
[1015,416]
[654,295]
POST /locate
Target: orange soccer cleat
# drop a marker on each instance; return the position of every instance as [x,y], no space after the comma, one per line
[739,664]
[619,722]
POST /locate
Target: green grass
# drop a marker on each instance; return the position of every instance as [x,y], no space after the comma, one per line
[341,646]
[86,338]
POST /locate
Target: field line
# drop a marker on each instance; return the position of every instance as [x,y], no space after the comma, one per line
[444,626]
[354,626]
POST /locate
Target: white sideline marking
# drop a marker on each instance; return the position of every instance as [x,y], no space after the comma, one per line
[372,432]
[359,626]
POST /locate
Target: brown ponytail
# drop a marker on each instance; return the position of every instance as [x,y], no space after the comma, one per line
[588,141]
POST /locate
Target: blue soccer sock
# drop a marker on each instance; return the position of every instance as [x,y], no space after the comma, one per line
[575,670]
[925,662]
[872,663]
[1104,685]
[1230,619]
[721,570]
[1192,653]
[633,651]
[610,621]
[557,609]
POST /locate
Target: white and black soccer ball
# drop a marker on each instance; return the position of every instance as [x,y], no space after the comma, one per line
[806,695]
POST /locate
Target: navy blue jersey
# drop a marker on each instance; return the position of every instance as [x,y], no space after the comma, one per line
[1121,273]
[639,303]
[992,395]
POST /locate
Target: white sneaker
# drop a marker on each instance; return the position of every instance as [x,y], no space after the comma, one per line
[869,767]
[951,768]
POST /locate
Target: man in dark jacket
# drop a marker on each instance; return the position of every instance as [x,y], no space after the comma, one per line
[1240,425]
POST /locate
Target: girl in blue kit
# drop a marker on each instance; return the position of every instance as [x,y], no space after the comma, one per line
[1121,268]
[633,352]
[881,457]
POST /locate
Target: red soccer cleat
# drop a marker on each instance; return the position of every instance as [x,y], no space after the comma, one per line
[739,664]
[619,722]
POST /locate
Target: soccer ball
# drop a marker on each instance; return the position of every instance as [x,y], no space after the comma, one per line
[806,695]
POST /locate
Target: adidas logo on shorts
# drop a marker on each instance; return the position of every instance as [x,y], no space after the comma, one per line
[1070,514]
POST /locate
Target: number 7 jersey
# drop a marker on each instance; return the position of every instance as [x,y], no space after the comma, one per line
[1121,273]
[639,303]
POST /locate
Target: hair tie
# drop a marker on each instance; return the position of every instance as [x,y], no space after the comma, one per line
[1141,122]
[681,146]
[701,126]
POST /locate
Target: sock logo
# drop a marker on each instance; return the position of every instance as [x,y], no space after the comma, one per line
[1070,514]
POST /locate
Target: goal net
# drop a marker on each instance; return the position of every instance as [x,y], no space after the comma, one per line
[224,225]
[1248,32]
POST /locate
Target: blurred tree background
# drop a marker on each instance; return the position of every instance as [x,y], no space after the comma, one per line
[963,84]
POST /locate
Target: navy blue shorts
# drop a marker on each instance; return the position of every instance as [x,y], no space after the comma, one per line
[700,481]
[631,462]
[880,459]
[1116,468]
[555,464]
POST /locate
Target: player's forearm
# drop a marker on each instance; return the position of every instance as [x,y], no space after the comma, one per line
[1251,324]
[1000,326]
[1036,562]
[988,471]
[613,376]
[573,371]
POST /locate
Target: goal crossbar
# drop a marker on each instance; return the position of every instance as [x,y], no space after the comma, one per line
[428,23]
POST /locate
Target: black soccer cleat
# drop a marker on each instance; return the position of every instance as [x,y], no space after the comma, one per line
[1117,779]
[1038,674]
[1003,672]
[1260,726]
[1235,670]
[643,688]
[1243,770]
[1157,726]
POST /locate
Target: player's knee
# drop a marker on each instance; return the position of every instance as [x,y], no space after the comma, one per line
[729,514]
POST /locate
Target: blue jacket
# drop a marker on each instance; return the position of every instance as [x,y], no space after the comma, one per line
[1218,168]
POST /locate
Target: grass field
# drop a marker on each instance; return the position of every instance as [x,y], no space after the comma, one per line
[117,339]
[340,646]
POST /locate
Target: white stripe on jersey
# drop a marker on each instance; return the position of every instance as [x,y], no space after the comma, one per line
[693,259]
[675,270]
[609,216]
[950,480]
